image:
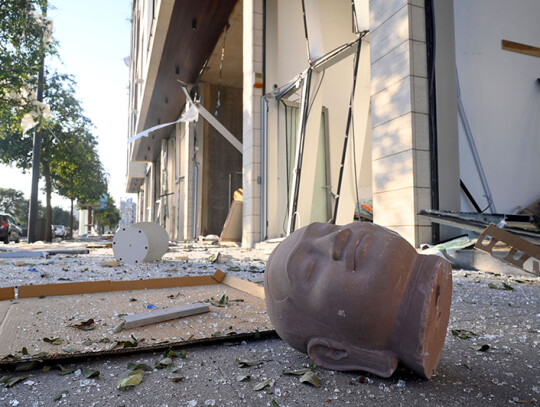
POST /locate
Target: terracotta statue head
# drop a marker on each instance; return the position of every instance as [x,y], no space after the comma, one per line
[359,297]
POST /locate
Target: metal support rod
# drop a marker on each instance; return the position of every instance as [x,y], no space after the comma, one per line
[264,168]
[195,181]
[299,151]
[306,30]
[347,132]
[36,151]
[469,195]
[474,151]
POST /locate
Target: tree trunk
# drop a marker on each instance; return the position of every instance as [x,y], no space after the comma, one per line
[71,221]
[90,220]
[48,207]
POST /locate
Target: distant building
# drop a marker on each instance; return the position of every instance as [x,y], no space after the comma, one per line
[128,211]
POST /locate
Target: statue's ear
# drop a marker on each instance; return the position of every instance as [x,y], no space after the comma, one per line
[327,353]
[335,355]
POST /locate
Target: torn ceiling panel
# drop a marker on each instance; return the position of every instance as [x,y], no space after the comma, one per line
[191,38]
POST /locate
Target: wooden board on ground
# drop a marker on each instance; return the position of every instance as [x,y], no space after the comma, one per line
[26,322]
[166,314]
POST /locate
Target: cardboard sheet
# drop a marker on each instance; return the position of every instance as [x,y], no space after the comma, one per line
[26,322]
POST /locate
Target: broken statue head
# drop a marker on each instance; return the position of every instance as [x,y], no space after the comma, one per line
[359,297]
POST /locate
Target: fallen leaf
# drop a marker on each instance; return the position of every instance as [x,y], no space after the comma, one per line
[274,403]
[40,354]
[142,366]
[24,351]
[87,325]
[88,373]
[311,378]
[173,353]
[53,341]
[64,371]
[177,379]
[12,381]
[70,350]
[136,371]
[130,381]
[160,364]
[59,395]
[262,385]
[172,368]
[493,286]
[242,378]
[246,363]
[507,287]
[463,333]
[298,372]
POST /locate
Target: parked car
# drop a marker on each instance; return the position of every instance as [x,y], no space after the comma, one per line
[59,231]
[9,229]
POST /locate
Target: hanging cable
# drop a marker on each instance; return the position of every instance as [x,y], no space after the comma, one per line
[218,103]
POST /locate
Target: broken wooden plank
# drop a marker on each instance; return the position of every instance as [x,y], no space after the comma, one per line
[7,293]
[520,48]
[166,282]
[244,285]
[28,291]
[153,317]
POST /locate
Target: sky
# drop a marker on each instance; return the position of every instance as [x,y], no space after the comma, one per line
[94,39]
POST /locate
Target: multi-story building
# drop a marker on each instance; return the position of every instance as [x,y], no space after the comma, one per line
[128,211]
[339,110]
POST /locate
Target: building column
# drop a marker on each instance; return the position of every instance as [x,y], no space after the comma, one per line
[399,114]
[252,63]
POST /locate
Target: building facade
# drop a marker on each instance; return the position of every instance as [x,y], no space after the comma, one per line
[338,111]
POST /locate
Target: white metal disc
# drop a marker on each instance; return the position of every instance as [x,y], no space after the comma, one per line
[130,245]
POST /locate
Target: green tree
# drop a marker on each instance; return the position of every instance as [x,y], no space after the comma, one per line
[13,202]
[70,164]
[63,217]
[24,41]
[109,216]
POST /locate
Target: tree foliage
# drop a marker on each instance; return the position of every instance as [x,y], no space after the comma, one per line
[22,48]
[109,217]
[13,202]
[62,217]
[70,163]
